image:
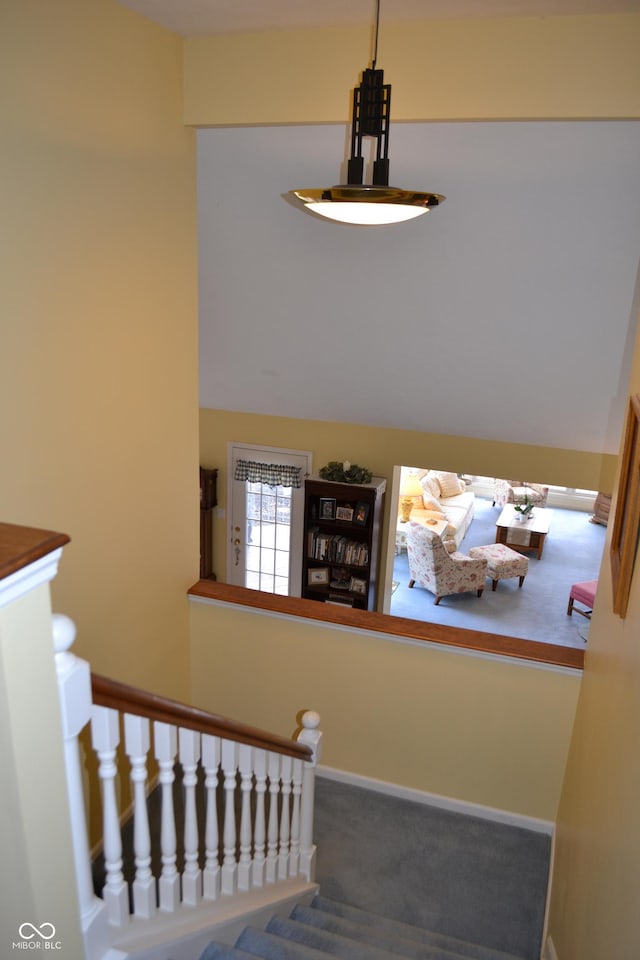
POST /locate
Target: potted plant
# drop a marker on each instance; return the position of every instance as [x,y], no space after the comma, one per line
[524,509]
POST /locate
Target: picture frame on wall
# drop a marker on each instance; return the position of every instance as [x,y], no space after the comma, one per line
[626,522]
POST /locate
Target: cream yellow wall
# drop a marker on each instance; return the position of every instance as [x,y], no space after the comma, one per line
[594,906]
[464,727]
[98,366]
[510,68]
[380,449]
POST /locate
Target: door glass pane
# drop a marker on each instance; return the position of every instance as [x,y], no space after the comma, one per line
[268,538]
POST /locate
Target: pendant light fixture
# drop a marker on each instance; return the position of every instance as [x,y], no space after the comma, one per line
[377,203]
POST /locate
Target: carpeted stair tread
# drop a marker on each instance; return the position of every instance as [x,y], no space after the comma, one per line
[270,946]
[329,928]
[390,934]
[222,951]
[410,949]
[345,946]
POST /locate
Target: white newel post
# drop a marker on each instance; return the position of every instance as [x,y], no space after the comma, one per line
[74,685]
[312,736]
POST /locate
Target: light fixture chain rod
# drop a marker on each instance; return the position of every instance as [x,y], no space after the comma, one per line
[375,38]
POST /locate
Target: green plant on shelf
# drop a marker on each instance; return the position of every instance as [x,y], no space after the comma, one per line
[345,472]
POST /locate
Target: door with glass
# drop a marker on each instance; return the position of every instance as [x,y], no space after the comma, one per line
[266,506]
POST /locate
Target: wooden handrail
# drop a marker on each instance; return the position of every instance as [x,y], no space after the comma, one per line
[128,699]
[20,546]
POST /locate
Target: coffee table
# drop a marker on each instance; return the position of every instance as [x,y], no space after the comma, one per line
[523,535]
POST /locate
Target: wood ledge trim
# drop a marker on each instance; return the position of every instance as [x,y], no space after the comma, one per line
[141,703]
[474,640]
[20,546]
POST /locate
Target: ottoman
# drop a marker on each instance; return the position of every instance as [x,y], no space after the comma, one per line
[502,562]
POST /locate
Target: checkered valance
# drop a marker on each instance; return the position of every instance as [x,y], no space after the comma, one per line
[274,474]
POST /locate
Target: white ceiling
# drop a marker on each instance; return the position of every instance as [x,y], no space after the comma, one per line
[197,17]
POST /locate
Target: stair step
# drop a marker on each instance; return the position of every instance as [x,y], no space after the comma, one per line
[351,932]
[222,951]
[336,944]
[387,932]
[270,946]
[329,928]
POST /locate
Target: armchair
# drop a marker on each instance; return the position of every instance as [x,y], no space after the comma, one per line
[515,491]
[441,573]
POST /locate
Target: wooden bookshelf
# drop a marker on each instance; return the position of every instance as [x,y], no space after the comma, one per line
[342,528]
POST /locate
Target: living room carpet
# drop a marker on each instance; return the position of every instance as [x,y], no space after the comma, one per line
[538,611]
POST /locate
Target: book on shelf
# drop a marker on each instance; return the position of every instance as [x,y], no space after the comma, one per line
[336,548]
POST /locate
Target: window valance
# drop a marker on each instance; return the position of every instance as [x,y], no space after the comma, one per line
[275,474]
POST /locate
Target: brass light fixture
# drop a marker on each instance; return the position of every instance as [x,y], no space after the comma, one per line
[377,203]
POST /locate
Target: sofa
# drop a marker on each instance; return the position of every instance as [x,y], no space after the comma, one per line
[445,496]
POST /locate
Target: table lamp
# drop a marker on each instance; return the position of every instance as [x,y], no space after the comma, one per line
[409,488]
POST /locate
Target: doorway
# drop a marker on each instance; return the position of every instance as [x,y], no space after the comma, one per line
[266,507]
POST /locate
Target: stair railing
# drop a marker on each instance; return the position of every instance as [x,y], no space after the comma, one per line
[264,781]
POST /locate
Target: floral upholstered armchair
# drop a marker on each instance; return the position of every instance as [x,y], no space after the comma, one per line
[441,573]
[516,491]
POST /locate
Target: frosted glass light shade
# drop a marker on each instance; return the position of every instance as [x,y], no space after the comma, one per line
[367,205]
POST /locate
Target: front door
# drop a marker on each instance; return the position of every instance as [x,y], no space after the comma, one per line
[266,518]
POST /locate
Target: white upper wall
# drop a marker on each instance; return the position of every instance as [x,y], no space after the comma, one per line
[505,314]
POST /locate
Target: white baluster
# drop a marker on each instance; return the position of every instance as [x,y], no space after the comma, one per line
[136,735]
[105,737]
[165,738]
[286,765]
[246,772]
[189,756]
[272,829]
[311,735]
[211,761]
[259,830]
[229,866]
[74,687]
[294,855]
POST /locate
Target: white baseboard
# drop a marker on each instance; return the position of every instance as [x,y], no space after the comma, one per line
[437,800]
[549,952]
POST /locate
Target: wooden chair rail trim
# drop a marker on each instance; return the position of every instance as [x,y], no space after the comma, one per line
[474,640]
[128,699]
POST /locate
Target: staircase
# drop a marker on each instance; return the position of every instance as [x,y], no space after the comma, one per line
[244,851]
[330,928]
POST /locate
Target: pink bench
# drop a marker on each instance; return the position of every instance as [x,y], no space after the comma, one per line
[584,593]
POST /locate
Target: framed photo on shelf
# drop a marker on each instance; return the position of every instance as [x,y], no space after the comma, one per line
[626,523]
[344,513]
[362,513]
[318,575]
[357,585]
[327,508]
